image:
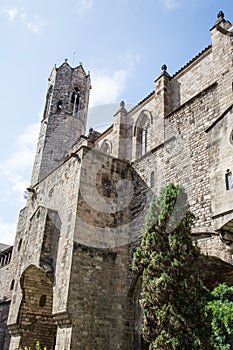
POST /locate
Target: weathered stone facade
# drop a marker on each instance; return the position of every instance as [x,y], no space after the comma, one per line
[70,284]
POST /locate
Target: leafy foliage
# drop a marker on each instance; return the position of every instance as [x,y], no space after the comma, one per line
[220,308]
[38,347]
[173,298]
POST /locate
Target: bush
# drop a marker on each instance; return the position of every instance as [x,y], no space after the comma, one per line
[220,309]
[37,347]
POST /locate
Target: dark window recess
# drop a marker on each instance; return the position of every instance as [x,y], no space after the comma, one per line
[12,285]
[152,179]
[59,106]
[229,180]
[107,186]
[20,244]
[75,100]
[42,301]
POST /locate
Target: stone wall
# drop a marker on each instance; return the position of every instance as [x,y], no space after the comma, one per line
[220,147]
[183,158]
[4,333]
[192,80]
[112,203]
[46,237]
[92,304]
[35,315]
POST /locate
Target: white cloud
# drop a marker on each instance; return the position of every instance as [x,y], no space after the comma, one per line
[172,4]
[106,88]
[12,14]
[15,178]
[7,232]
[17,168]
[33,25]
[84,6]
[130,59]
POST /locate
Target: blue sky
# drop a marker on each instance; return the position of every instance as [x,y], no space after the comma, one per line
[122,43]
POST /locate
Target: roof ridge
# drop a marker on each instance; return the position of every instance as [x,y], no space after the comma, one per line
[175,74]
[192,60]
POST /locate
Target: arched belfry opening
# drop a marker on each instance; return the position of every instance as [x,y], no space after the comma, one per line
[35,318]
[75,101]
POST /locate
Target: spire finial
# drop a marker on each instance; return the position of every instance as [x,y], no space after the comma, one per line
[122,107]
[220,15]
[122,104]
[164,67]
[66,60]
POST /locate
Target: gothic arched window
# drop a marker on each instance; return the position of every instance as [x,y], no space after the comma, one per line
[106,147]
[142,133]
[229,180]
[75,99]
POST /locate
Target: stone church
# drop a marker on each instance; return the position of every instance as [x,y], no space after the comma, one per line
[67,281]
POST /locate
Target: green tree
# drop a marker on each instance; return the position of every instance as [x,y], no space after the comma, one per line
[221,312]
[37,347]
[173,297]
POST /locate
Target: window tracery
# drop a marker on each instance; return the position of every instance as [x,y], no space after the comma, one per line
[142,133]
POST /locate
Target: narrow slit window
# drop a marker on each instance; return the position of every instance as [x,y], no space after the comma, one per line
[59,106]
[152,179]
[20,244]
[12,285]
[229,180]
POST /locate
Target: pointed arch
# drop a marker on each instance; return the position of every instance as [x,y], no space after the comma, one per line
[142,133]
[35,313]
[106,147]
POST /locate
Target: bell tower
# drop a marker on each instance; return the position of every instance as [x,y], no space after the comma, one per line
[64,118]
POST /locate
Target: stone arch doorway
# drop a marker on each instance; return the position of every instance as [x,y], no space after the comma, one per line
[35,315]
